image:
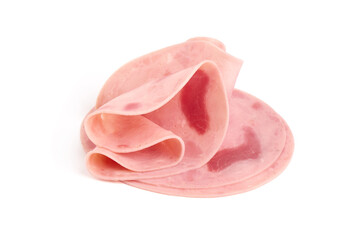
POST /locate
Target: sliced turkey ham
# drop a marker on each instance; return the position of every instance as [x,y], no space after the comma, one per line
[171,122]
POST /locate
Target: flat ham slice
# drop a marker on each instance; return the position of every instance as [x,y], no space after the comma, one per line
[170,122]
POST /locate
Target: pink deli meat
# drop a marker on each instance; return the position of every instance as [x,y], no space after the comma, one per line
[171,122]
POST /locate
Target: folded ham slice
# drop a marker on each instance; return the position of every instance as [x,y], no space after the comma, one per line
[171,122]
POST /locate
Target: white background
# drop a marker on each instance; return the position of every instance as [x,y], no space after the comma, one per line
[301,57]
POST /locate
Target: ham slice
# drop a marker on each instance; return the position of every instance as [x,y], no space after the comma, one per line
[171,122]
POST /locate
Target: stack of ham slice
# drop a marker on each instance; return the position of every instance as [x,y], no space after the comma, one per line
[171,122]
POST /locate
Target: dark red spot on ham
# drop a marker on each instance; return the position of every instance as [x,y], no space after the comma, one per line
[193,102]
[250,149]
[132,106]
[256,105]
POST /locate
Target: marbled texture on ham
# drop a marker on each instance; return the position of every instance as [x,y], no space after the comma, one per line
[171,122]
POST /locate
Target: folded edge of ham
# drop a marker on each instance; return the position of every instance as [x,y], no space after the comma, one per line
[169,135]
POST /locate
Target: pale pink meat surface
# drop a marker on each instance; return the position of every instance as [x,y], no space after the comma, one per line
[170,122]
